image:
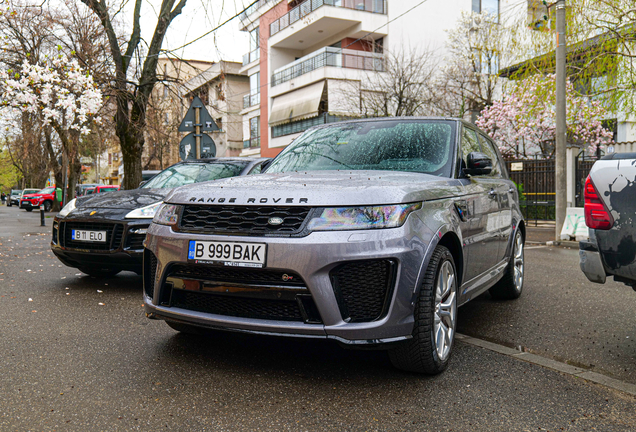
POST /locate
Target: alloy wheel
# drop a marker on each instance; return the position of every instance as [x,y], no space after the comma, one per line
[445,310]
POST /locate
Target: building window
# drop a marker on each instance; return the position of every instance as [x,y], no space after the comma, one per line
[378,46]
[254,40]
[255,83]
[489,6]
[255,133]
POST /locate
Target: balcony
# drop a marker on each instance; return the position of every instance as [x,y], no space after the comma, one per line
[307,7]
[251,56]
[328,56]
[303,125]
[249,100]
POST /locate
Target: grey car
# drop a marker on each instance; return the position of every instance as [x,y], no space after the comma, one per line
[368,232]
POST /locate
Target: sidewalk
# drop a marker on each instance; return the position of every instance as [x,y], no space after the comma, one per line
[542,233]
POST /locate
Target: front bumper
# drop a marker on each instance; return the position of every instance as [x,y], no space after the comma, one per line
[122,251]
[315,259]
[590,260]
[28,204]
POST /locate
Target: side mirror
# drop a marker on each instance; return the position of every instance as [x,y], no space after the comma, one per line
[143,183]
[265,164]
[478,164]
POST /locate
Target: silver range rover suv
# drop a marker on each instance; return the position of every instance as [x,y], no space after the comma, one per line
[368,232]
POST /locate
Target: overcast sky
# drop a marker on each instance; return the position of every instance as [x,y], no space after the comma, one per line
[199,17]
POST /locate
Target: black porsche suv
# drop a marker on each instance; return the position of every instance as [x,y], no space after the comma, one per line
[103,234]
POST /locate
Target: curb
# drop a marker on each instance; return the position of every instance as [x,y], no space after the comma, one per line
[558,366]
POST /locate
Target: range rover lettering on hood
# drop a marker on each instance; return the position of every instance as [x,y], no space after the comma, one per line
[250,200]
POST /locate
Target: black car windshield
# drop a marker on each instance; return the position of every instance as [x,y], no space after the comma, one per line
[424,146]
[183,174]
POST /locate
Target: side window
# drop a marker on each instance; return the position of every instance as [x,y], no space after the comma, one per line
[489,150]
[469,145]
[257,169]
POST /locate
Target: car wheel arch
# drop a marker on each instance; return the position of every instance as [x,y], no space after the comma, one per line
[445,236]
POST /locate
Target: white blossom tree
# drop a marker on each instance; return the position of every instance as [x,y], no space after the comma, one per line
[60,94]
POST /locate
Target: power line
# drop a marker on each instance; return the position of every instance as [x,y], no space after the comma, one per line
[211,31]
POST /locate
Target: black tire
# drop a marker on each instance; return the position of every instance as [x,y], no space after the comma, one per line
[47,206]
[29,209]
[99,273]
[187,328]
[511,284]
[421,353]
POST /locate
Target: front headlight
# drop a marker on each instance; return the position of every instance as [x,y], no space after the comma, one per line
[147,212]
[69,207]
[354,218]
[168,214]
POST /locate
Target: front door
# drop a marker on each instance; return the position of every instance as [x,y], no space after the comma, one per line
[480,238]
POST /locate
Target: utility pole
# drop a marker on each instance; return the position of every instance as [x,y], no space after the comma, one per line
[561,127]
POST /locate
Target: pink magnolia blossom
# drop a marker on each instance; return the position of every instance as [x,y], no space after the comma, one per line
[524,122]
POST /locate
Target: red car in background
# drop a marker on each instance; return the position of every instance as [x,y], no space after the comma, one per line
[44,197]
[105,188]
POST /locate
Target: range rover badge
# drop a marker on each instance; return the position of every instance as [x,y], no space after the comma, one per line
[275,221]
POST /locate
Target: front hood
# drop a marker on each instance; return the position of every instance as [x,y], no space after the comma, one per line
[319,188]
[123,200]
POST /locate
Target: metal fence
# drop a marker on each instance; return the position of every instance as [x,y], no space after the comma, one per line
[535,179]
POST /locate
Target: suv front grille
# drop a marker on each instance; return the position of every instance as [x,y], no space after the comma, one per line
[113,235]
[236,275]
[363,289]
[250,293]
[285,310]
[244,220]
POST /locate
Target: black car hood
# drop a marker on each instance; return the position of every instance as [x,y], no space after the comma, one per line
[123,200]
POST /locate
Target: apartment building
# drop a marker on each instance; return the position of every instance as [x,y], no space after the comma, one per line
[311,61]
[221,89]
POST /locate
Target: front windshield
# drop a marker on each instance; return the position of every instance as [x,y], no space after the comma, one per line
[423,146]
[108,190]
[47,190]
[183,174]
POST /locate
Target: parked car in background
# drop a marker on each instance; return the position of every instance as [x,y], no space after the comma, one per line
[81,189]
[44,197]
[105,188]
[14,197]
[24,193]
[148,174]
[367,232]
[103,234]
[610,208]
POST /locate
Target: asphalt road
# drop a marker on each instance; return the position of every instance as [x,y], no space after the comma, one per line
[78,354]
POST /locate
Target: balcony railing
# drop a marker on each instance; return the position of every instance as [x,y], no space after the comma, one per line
[307,7]
[252,142]
[328,56]
[250,100]
[303,125]
[250,10]
[251,56]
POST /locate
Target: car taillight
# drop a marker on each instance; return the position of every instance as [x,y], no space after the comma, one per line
[597,216]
